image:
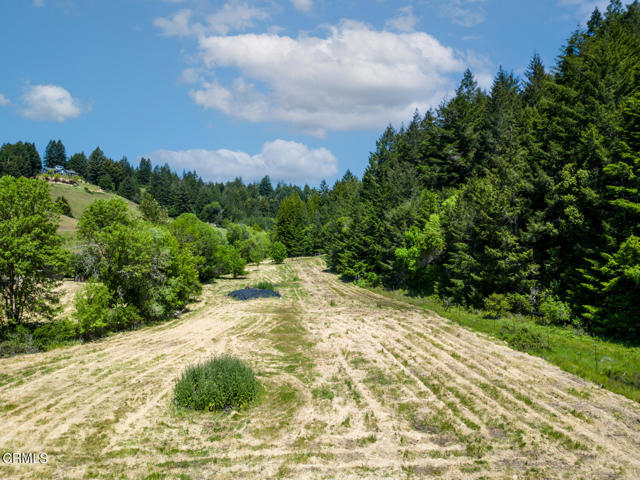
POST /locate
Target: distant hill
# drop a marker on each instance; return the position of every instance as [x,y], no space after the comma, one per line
[79,197]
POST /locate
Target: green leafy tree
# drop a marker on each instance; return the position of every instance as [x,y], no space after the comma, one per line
[496,305]
[278,252]
[202,241]
[211,212]
[151,210]
[147,274]
[31,256]
[101,215]
[420,253]
[232,261]
[62,204]
[291,223]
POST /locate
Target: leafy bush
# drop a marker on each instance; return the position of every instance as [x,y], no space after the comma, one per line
[519,303]
[55,333]
[232,261]
[278,252]
[523,338]
[554,311]
[144,275]
[92,310]
[201,240]
[18,340]
[219,384]
[265,285]
[496,305]
[62,204]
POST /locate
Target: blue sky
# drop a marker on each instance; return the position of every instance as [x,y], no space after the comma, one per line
[296,89]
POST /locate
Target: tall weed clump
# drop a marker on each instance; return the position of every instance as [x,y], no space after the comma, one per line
[220,384]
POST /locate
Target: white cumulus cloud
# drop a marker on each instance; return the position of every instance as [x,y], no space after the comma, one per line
[50,102]
[353,78]
[281,160]
[302,5]
[234,15]
[4,100]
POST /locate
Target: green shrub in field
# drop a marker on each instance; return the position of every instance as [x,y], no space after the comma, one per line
[222,383]
[496,305]
[519,303]
[278,252]
[62,204]
[554,311]
[523,339]
[55,333]
[265,285]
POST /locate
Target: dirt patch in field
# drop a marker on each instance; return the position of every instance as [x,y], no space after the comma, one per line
[356,386]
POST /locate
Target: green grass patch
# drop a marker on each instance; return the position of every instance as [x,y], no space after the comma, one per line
[613,365]
[265,285]
[219,384]
[323,392]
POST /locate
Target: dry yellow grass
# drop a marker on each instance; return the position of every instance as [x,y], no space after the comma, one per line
[356,386]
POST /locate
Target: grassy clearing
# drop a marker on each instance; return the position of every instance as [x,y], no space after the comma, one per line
[80,196]
[614,366]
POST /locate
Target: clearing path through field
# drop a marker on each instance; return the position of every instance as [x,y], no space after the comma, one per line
[356,386]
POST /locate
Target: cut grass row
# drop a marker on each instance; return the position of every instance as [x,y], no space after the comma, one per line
[614,366]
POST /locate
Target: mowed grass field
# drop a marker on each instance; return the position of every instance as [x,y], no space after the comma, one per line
[356,385]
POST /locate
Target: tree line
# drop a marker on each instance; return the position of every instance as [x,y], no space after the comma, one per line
[526,196]
[212,202]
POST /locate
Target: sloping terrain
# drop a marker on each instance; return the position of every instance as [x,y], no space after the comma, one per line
[356,386]
[80,197]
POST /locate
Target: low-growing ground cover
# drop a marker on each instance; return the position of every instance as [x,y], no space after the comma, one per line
[355,385]
[615,366]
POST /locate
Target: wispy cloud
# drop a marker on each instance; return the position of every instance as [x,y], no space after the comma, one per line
[4,101]
[234,15]
[467,13]
[404,21]
[302,5]
[582,8]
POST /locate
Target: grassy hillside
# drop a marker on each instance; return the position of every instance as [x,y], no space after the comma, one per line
[79,197]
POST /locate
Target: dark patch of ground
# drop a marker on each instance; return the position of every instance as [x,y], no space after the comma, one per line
[250,293]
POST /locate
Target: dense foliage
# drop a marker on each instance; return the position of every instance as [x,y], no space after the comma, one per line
[139,271]
[526,195]
[219,384]
[19,160]
[30,250]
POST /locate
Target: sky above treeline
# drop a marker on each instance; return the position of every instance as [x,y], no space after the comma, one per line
[295,89]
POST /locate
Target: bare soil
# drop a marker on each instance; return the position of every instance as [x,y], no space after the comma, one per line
[356,386]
